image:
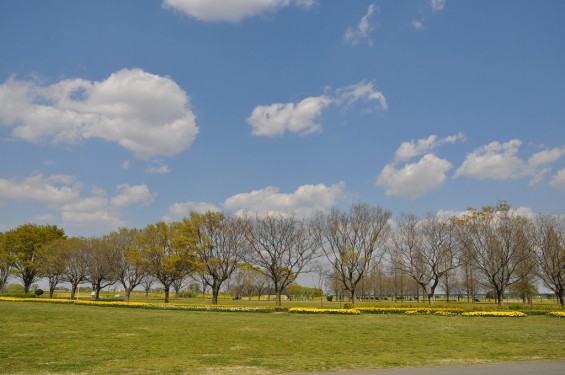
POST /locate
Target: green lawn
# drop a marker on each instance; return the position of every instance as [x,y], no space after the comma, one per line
[50,338]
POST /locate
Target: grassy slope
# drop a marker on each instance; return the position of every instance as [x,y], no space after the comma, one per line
[43,338]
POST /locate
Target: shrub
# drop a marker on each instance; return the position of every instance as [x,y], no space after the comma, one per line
[329,298]
[38,292]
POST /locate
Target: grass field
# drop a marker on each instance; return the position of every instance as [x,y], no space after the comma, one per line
[50,338]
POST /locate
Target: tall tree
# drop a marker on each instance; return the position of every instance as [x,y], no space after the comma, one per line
[5,263]
[352,240]
[426,250]
[102,264]
[52,260]
[499,243]
[222,241]
[550,253]
[280,247]
[168,252]
[76,257]
[23,245]
[130,268]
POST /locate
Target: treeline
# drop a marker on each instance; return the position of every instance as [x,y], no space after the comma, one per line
[364,251]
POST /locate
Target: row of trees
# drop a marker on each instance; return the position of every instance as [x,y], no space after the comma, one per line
[362,248]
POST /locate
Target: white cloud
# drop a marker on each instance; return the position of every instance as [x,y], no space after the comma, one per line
[132,194]
[126,164]
[62,195]
[145,113]
[232,11]
[408,150]
[185,208]
[416,179]
[495,160]
[157,169]
[558,181]
[50,191]
[302,202]
[304,117]
[500,161]
[362,91]
[437,5]
[361,33]
[418,24]
[278,118]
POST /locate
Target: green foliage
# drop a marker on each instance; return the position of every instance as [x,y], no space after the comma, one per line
[38,292]
[24,243]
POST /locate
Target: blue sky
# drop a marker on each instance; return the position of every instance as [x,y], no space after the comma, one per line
[125,113]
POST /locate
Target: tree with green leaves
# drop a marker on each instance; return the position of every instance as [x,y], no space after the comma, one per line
[130,267]
[5,264]
[52,259]
[23,245]
[168,252]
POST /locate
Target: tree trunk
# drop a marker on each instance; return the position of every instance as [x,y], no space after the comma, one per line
[167,287]
[73,290]
[278,301]
[430,298]
[215,293]
[500,297]
[128,292]
[353,297]
[561,297]
[51,290]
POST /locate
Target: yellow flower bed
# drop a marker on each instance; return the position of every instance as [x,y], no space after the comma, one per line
[47,300]
[557,314]
[310,310]
[430,310]
[510,314]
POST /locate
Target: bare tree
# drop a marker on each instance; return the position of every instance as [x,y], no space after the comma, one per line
[352,240]
[426,250]
[76,263]
[147,282]
[550,253]
[499,243]
[280,248]
[222,241]
[102,264]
